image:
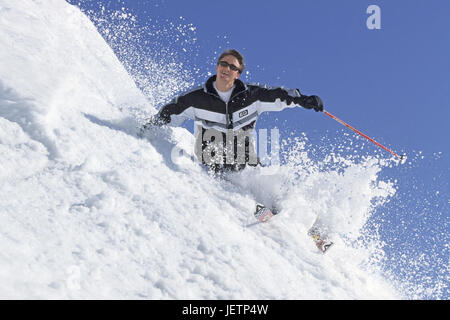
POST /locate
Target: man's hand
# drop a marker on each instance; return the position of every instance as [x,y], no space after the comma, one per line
[311,102]
[314,102]
[152,122]
[155,120]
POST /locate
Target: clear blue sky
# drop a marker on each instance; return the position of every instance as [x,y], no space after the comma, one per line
[392,84]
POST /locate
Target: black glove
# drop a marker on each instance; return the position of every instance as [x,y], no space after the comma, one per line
[311,102]
[155,120]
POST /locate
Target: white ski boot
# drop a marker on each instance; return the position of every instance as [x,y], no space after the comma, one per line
[322,242]
[262,213]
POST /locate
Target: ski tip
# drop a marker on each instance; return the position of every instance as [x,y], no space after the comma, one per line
[326,247]
[259,207]
[322,242]
[262,213]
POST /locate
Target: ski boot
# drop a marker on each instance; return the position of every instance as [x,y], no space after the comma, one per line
[262,213]
[322,242]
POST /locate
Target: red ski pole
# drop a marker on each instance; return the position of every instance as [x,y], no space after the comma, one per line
[362,134]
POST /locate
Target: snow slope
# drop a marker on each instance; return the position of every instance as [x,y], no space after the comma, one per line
[89,210]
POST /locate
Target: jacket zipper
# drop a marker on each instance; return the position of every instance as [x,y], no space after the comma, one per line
[227,115]
[226,110]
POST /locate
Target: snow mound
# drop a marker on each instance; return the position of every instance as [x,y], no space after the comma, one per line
[91,210]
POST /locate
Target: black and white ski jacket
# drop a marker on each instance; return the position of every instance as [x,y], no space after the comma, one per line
[204,105]
[246,103]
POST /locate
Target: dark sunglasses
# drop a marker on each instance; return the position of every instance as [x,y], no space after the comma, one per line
[226,64]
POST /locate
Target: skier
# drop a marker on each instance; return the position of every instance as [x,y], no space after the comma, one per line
[225,111]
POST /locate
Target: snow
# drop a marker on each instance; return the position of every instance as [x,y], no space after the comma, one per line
[90,210]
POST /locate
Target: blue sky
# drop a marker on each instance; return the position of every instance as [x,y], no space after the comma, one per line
[392,84]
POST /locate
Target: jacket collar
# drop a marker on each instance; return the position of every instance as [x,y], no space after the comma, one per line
[209,87]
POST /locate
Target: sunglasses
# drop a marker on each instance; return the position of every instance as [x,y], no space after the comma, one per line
[226,64]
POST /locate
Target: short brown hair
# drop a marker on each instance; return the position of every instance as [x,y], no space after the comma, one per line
[237,55]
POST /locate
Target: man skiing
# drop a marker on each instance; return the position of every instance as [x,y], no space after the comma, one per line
[225,111]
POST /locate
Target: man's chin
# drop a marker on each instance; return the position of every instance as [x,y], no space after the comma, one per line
[225,78]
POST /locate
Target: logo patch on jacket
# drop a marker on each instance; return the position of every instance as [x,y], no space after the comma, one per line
[243,113]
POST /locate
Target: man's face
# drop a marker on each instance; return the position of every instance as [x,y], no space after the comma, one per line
[225,73]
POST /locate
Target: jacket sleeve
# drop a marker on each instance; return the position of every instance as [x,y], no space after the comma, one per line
[175,112]
[277,99]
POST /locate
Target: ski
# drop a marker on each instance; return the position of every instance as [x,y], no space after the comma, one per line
[322,242]
[263,214]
